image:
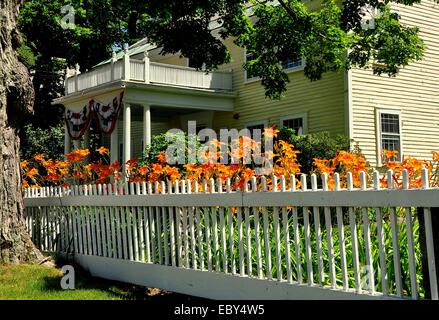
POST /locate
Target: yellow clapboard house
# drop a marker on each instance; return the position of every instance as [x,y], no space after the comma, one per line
[139,93]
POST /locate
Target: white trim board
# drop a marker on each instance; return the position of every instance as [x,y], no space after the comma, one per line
[348,104]
[211,285]
[257,123]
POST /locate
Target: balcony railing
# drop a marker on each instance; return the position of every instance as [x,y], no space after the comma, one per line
[144,71]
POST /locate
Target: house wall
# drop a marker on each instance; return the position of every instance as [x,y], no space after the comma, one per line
[414,92]
[174,60]
[323,100]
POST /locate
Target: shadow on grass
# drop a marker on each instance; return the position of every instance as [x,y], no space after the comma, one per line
[118,290]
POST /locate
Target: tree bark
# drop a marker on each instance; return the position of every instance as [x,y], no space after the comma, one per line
[16,101]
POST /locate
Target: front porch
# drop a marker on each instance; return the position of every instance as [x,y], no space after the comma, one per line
[135,99]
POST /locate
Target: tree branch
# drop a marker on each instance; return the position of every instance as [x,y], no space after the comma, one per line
[287,9]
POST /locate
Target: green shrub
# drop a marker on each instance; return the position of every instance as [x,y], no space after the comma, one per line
[320,145]
[161,142]
[49,142]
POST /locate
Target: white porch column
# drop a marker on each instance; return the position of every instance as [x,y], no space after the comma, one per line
[114,148]
[67,140]
[76,144]
[87,139]
[126,133]
[87,143]
[146,126]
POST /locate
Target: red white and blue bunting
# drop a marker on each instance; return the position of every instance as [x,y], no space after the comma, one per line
[78,122]
[104,115]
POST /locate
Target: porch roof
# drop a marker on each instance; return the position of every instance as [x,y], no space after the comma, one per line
[157,95]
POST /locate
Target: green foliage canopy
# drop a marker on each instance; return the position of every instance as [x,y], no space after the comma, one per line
[333,38]
[331,35]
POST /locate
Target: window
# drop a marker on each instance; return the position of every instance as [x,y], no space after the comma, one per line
[289,64]
[377,61]
[256,126]
[296,122]
[293,63]
[368,20]
[249,75]
[389,132]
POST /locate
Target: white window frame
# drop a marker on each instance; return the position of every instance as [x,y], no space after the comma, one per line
[257,123]
[378,112]
[246,79]
[295,69]
[370,15]
[303,115]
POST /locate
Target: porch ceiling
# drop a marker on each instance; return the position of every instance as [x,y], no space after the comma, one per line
[157,112]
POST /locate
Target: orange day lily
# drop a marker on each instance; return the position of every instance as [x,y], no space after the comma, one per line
[103,151]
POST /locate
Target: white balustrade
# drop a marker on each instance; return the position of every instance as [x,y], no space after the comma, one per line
[163,74]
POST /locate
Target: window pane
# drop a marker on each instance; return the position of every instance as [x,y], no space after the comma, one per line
[292,63]
[393,143]
[256,127]
[296,124]
[249,57]
[389,123]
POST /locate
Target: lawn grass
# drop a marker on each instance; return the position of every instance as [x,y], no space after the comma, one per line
[37,282]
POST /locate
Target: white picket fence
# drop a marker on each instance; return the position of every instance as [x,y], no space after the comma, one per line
[311,243]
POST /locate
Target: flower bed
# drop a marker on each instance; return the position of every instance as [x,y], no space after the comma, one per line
[76,170]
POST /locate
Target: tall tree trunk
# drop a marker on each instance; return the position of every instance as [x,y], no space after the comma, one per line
[16,100]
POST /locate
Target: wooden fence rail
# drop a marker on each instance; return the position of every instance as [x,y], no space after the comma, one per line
[217,242]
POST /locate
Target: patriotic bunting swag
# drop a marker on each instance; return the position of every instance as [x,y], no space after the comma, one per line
[78,122]
[104,115]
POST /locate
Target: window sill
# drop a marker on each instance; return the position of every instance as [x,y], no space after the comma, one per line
[378,64]
[252,80]
[295,69]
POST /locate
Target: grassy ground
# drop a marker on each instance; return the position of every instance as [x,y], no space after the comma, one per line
[32,282]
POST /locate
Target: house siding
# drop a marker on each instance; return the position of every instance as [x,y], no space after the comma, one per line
[414,91]
[176,60]
[323,100]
